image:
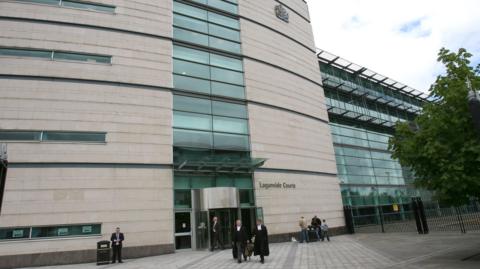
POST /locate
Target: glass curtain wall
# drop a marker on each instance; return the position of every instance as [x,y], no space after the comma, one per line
[210,119]
[372,182]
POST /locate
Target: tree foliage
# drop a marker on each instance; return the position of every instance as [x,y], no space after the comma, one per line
[441,145]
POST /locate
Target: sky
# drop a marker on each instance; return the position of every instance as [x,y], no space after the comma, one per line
[397,39]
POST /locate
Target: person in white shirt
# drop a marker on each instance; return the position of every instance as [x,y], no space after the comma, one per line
[117,240]
[239,241]
[324,228]
[216,234]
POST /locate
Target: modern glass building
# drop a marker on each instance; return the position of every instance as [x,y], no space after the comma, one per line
[154,116]
[363,107]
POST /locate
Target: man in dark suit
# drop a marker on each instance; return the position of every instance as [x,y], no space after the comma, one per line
[216,234]
[239,241]
[117,239]
[261,241]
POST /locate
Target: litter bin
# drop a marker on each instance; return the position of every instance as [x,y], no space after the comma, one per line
[103,252]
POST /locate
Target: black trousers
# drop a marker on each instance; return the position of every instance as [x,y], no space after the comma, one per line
[117,253]
[240,247]
[216,240]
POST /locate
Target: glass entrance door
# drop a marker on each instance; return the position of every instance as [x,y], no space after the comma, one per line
[226,218]
[201,229]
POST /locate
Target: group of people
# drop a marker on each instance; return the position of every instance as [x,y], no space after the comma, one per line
[320,227]
[241,240]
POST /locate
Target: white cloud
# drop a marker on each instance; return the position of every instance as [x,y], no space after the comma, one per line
[398,39]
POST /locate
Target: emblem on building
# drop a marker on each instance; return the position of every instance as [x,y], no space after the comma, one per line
[281,13]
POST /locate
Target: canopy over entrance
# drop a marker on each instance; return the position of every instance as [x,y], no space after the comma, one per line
[186,160]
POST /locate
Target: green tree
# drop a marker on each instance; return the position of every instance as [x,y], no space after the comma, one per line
[441,145]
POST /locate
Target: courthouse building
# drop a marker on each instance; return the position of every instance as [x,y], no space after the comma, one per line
[154,116]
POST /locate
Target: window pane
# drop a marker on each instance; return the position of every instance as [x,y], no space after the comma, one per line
[200,182]
[192,104]
[190,10]
[226,62]
[228,90]
[25,53]
[191,69]
[194,139]
[246,197]
[88,6]
[190,23]
[48,2]
[224,44]
[243,183]
[223,32]
[230,125]
[229,109]
[14,233]
[19,136]
[188,36]
[181,182]
[225,181]
[227,76]
[231,142]
[223,6]
[191,54]
[223,20]
[81,57]
[67,230]
[183,199]
[71,136]
[191,84]
[192,121]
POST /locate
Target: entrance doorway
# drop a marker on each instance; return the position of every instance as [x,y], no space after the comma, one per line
[226,218]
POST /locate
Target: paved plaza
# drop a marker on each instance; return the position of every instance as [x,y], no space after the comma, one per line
[348,251]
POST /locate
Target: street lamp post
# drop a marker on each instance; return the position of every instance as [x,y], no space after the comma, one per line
[474,105]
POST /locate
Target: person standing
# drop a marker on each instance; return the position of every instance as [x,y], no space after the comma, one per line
[261,241]
[303,230]
[216,234]
[316,222]
[324,228]
[117,240]
[239,241]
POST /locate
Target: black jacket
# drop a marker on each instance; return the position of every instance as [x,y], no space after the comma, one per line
[217,227]
[114,237]
[261,241]
[239,236]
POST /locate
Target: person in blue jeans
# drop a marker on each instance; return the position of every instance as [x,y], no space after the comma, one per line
[303,230]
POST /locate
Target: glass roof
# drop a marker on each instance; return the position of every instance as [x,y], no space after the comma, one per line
[332,59]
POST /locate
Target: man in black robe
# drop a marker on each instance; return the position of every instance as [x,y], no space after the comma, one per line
[261,241]
[239,241]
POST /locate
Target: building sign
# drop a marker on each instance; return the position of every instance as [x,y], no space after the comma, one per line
[395,207]
[276,185]
[17,234]
[281,13]
[86,229]
[62,231]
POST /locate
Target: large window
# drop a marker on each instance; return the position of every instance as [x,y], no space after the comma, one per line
[18,233]
[206,28]
[54,136]
[55,55]
[207,72]
[75,4]
[206,123]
